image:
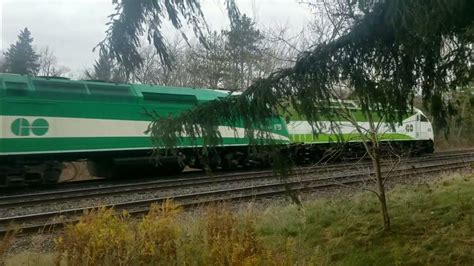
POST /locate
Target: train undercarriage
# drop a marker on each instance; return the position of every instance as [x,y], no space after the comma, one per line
[245,158]
[25,171]
[29,173]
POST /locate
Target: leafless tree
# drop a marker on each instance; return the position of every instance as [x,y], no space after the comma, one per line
[153,71]
[333,19]
[49,64]
[150,72]
[370,135]
[209,67]
[282,48]
[214,66]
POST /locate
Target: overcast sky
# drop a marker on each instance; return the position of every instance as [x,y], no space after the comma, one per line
[71,28]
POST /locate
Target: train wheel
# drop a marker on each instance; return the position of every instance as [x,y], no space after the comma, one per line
[52,172]
[102,168]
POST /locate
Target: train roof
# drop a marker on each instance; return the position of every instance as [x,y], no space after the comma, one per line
[16,85]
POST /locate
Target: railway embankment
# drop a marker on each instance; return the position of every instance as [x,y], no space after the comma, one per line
[432,223]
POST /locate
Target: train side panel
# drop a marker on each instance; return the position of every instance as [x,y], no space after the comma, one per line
[46,121]
[414,134]
[62,116]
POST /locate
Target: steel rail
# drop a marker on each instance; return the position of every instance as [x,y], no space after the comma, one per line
[153,185]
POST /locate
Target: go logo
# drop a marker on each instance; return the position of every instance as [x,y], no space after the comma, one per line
[23,127]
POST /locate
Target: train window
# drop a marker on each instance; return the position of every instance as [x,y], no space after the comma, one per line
[109,91]
[423,118]
[16,88]
[58,88]
[169,98]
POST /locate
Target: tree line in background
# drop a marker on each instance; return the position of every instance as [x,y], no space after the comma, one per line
[21,58]
[461,125]
[230,59]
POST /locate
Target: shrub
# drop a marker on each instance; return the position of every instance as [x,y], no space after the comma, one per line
[100,237]
[163,237]
[157,235]
[233,240]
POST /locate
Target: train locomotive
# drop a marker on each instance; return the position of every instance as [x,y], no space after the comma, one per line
[413,136]
[46,121]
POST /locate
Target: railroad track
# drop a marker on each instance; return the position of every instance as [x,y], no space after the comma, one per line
[35,221]
[55,196]
[103,183]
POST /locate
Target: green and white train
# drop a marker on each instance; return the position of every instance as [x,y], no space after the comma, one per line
[414,135]
[47,121]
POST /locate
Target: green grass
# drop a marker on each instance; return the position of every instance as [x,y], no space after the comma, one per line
[432,224]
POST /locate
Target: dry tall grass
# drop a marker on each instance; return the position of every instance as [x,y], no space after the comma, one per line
[163,237]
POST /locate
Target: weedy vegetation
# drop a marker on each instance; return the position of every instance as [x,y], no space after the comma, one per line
[433,223]
[162,237]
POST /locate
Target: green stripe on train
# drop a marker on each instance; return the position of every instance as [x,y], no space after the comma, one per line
[25,145]
[356,113]
[77,109]
[343,137]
